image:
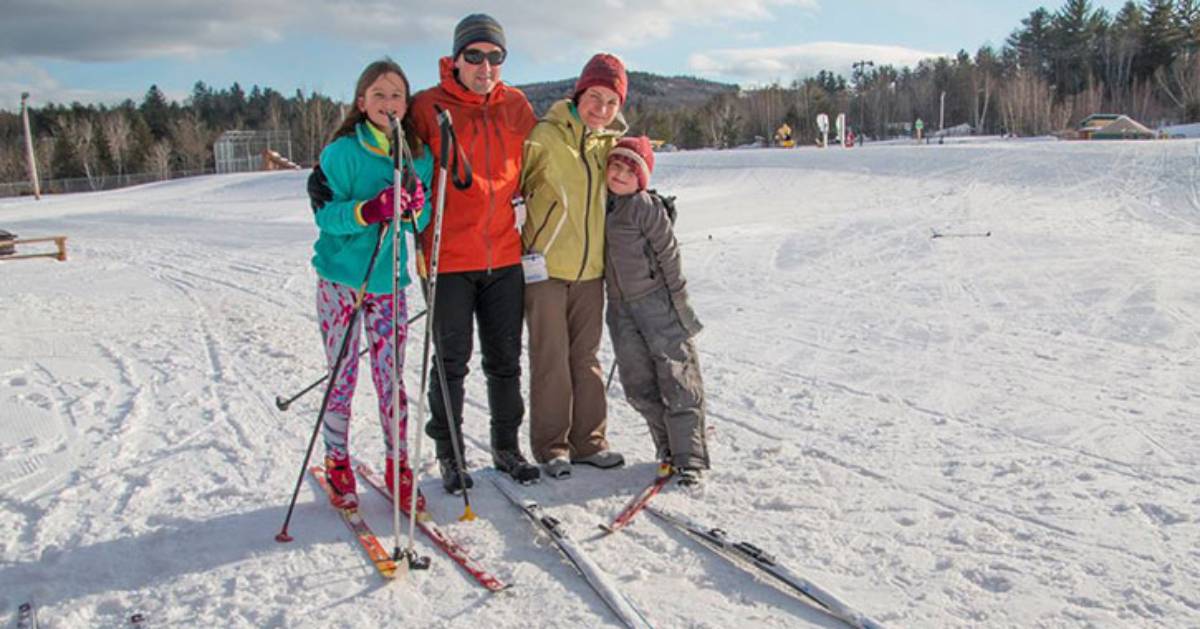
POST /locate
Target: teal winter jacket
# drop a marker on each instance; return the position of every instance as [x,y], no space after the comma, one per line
[358,168]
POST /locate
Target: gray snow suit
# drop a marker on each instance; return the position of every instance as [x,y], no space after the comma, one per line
[651,326]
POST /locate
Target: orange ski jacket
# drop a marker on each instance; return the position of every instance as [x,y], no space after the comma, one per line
[479,231]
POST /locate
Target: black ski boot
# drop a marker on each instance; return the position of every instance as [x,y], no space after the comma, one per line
[513,463]
[454,480]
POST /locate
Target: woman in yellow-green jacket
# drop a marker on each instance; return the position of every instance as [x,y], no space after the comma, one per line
[563,243]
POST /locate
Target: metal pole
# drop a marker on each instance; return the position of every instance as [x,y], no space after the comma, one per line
[942,113]
[29,156]
[860,68]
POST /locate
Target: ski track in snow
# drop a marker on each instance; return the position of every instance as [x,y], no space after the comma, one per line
[968,431]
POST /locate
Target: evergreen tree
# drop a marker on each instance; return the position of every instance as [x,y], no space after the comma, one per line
[1187,25]
[1032,43]
[156,111]
[1159,38]
[1075,34]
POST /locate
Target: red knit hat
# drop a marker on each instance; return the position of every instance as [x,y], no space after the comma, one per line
[604,70]
[638,154]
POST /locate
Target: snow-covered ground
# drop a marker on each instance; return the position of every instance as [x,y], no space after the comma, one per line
[988,431]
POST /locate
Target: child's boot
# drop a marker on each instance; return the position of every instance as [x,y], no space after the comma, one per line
[341,480]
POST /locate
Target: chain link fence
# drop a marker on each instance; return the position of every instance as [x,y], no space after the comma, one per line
[93,184]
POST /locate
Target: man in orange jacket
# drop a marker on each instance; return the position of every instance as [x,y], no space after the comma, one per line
[479,266]
[479,269]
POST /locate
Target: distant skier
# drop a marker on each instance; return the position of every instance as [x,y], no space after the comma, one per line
[649,319]
[360,173]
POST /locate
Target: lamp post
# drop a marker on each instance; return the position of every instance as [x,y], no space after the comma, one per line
[860,70]
[33,174]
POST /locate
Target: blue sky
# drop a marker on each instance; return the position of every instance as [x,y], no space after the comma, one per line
[66,50]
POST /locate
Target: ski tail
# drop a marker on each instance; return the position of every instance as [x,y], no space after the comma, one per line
[641,499]
[621,605]
[741,553]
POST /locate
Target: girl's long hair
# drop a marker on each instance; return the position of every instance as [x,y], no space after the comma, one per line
[354,116]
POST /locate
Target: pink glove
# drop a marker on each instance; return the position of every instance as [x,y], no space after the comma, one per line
[380,209]
[411,204]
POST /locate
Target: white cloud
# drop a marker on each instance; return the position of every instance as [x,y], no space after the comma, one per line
[121,30]
[118,30]
[783,64]
[25,76]
[131,30]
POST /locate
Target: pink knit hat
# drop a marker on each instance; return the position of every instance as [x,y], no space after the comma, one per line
[638,154]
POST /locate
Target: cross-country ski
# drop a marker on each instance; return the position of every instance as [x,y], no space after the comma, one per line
[738,550]
[640,500]
[605,587]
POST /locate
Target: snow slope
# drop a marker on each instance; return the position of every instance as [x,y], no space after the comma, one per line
[964,431]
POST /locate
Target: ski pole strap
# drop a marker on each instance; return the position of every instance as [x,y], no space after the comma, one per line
[452,152]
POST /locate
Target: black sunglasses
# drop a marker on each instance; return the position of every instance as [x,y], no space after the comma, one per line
[475,56]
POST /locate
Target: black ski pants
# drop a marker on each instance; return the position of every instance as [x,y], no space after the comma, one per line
[495,301]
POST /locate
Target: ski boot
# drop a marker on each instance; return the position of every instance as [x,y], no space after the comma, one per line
[513,463]
[341,480]
[406,485]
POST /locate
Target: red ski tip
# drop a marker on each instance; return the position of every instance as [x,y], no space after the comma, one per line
[283,537]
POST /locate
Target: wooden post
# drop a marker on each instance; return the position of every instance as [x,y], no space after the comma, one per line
[33,174]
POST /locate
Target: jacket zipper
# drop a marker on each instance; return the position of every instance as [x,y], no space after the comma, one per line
[587,213]
[487,159]
[545,221]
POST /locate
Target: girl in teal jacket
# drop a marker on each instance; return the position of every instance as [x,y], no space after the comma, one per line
[358,165]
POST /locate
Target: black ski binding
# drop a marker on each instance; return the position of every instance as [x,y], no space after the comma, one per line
[414,561]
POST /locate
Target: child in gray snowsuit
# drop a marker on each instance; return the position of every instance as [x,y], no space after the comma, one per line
[649,319]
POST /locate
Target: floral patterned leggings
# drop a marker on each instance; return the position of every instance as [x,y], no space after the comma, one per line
[335,306]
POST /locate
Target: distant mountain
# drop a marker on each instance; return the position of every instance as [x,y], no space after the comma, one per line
[646,90]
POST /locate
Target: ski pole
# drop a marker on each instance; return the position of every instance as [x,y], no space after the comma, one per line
[283,404]
[449,147]
[283,536]
[611,372]
[414,561]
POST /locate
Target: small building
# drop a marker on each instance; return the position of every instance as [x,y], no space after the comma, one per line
[1113,127]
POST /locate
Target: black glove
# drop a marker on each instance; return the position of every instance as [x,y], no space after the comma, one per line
[319,192]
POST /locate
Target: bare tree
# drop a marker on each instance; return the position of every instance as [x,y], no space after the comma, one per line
[319,117]
[1180,82]
[159,158]
[80,134]
[44,153]
[191,140]
[720,119]
[12,162]
[116,130]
